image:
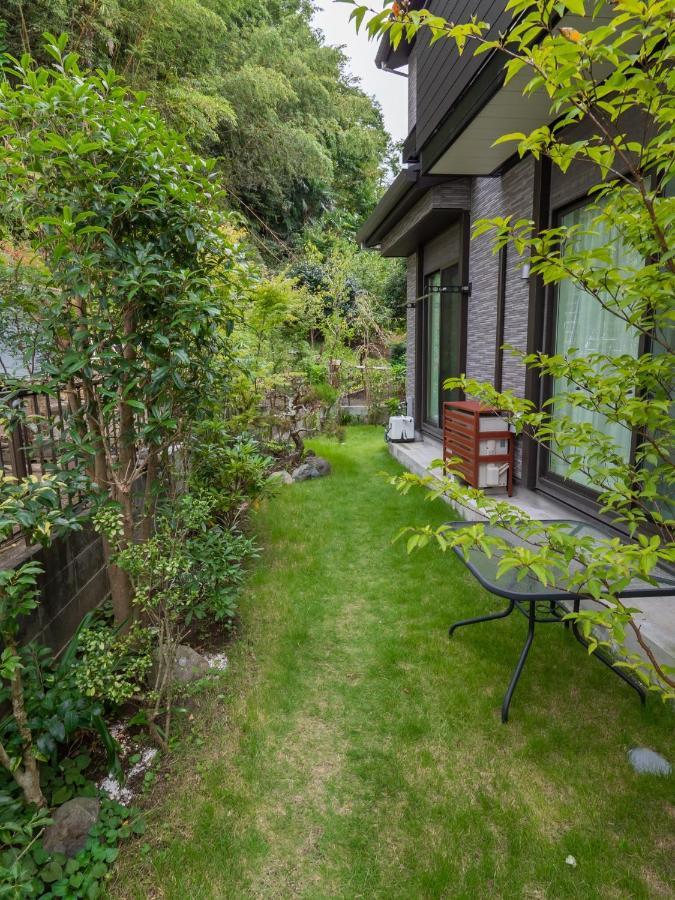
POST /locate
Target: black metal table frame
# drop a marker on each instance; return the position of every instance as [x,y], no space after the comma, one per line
[556,612]
[557,608]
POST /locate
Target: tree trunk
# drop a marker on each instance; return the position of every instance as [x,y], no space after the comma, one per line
[149,495]
[27,778]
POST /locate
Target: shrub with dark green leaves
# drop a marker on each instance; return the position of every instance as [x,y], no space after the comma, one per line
[233,471]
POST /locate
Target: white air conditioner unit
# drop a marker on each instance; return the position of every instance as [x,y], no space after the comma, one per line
[400,429]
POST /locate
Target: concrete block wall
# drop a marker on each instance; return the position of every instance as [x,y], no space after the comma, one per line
[74,582]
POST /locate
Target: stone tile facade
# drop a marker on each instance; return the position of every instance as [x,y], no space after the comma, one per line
[509,194]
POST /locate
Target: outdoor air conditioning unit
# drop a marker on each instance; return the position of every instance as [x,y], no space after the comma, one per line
[400,429]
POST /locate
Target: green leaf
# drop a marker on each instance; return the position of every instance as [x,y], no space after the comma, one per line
[576,6]
[51,872]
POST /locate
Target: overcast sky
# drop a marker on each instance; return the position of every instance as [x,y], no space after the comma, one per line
[390,90]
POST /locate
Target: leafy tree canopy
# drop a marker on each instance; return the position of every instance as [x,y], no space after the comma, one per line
[252,83]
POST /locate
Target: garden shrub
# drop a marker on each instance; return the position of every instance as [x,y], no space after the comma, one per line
[112,665]
[232,470]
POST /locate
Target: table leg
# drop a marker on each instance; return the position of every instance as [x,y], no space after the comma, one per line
[489,618]
[610,665]
[521,663]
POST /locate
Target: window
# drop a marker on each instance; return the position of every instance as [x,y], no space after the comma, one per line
[441,315]
[580,322]
[433,355]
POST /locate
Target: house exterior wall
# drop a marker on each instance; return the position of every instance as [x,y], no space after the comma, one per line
[411,335]
[443,250]
[510,194]
[518,190]
[442,74]
[412,91]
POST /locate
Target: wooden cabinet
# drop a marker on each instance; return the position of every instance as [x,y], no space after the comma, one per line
[481,437]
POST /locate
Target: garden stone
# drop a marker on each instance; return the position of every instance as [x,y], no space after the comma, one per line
[304,472]
[188,666]
[322,465]
[282,477]
[646,761]
[316,467]
[71,826]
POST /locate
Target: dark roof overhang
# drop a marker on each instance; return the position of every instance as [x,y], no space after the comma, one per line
[391,59]
[413,209]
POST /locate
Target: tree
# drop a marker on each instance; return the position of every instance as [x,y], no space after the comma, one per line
[601,74]
[251,83]
[130,267]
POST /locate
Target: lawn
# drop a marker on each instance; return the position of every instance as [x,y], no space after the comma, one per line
[358,753]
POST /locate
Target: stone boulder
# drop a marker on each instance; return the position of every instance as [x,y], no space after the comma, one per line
[71,826]
[282,477]
[314,467]
[646,761]
[188,666]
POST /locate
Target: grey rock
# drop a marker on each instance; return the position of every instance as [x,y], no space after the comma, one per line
[315,467]
[646,761]
[282,477]
[71,826]
[304,472]
[322,465]
[188,666]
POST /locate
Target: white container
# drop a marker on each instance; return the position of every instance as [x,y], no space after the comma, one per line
[493,423]
[400,430]
[493,447]
[493,475]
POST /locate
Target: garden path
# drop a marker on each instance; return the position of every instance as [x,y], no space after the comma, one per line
[355,753]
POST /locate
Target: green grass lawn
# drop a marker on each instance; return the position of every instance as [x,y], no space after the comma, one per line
[359,753]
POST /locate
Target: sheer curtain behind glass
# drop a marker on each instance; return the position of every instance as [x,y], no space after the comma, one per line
[582,323]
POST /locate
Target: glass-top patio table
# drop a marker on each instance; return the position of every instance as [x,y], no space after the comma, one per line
[541,604]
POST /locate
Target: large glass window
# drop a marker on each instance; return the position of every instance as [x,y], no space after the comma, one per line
[433,375]
[442,322]
[583,324]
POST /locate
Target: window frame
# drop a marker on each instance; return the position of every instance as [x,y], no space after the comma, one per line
[557,486]
[448,275]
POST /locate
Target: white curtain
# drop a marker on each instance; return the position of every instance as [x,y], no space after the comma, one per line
[583,324]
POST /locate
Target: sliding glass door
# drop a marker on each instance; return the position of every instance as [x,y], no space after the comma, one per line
[433,348]
[580,322]
[442,329]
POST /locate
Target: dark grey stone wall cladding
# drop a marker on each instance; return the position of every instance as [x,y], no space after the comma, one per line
[512,194]
[74,582]
[411,321]
[518,186]
[486,200]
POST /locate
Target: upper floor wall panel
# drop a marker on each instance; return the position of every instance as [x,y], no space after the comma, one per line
[442,74]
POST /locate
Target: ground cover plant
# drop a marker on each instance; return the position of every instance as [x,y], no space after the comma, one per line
[357,753]
[608,425]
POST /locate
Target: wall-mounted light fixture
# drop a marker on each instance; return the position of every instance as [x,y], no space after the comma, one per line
[525,271]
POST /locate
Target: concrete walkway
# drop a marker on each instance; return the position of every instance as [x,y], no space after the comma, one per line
[657,616]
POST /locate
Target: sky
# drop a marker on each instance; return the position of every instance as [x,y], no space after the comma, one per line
[390,90]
